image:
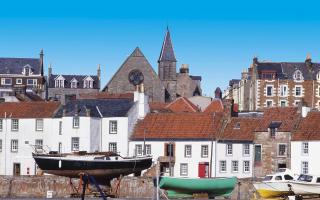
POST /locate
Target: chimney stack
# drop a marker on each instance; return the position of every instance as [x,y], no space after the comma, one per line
[49,70]
[184,69]
[99,72]
[41,62]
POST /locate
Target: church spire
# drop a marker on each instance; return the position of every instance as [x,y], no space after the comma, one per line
[167,53]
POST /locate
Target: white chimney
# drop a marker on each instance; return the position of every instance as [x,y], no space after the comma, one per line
[142,101]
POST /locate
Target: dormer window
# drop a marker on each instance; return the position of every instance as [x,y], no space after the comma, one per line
[59,82]
[88,82]
[27,70]
[74,83]
[298,75]
[318,76]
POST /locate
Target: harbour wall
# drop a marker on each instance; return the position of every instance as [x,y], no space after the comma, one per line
[126,187]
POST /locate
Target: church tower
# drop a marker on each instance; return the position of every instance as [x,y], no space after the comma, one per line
[167,71]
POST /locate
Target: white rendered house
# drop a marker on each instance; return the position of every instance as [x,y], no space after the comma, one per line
[81,125]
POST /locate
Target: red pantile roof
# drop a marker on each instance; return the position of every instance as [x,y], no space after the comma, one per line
[240,129]
[182,104]
[158,107]
[106,95]
[288,116]
[308,128]
[28,109]
[178,126]
[215,106]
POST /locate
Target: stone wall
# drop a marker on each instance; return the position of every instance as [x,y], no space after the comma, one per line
[34,186]
[133,187]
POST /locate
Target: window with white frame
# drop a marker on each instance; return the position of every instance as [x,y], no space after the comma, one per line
[223,166]
[14,146]
[234,166]
[282,150]
[75,144]
[297,76]
[31,81]
[60,127]
[74,83]
[39,144]
[187,151]
[283,103]
[183,169]
[305,148]
[269,90]
[283,90]
[1,124]
[113,127]
[39,124]
[298,90]
[148,149]
[6,81]
[76,122]
[59,82]
[26,71]
[138,150]
[113,147]
[246,149]
[0,145]
[204,151]
[14,124]
[269,103]
[88,82]
[305,167]
[229,149]
[246,166]
[18,81]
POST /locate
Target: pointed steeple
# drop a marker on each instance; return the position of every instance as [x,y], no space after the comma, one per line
[167,53]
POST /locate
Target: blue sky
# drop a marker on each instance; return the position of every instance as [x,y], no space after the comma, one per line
[218,39]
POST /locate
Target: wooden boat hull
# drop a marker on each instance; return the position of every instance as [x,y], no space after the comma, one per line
[186,187]
[272,189]
[98,168]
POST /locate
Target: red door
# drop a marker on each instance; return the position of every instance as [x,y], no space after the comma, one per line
[203,170]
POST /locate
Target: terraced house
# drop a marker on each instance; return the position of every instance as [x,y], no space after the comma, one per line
[22,76]
[81,125]
[269,84]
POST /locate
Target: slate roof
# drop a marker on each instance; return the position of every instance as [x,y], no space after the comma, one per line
[167,53]
[170,126]
[196,78]
[107,107]
[106,95]
[234,81]
[28,109]
[285,70]
[79,78]
[308,128]
[16,65]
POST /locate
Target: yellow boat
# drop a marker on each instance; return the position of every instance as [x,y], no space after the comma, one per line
[275,185]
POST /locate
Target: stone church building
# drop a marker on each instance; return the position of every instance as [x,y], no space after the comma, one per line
[165,86]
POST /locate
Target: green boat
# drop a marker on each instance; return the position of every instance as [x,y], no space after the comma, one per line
[186,187]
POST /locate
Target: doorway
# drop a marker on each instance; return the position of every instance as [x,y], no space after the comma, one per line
[16,169]
[203,170]
[257,155]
